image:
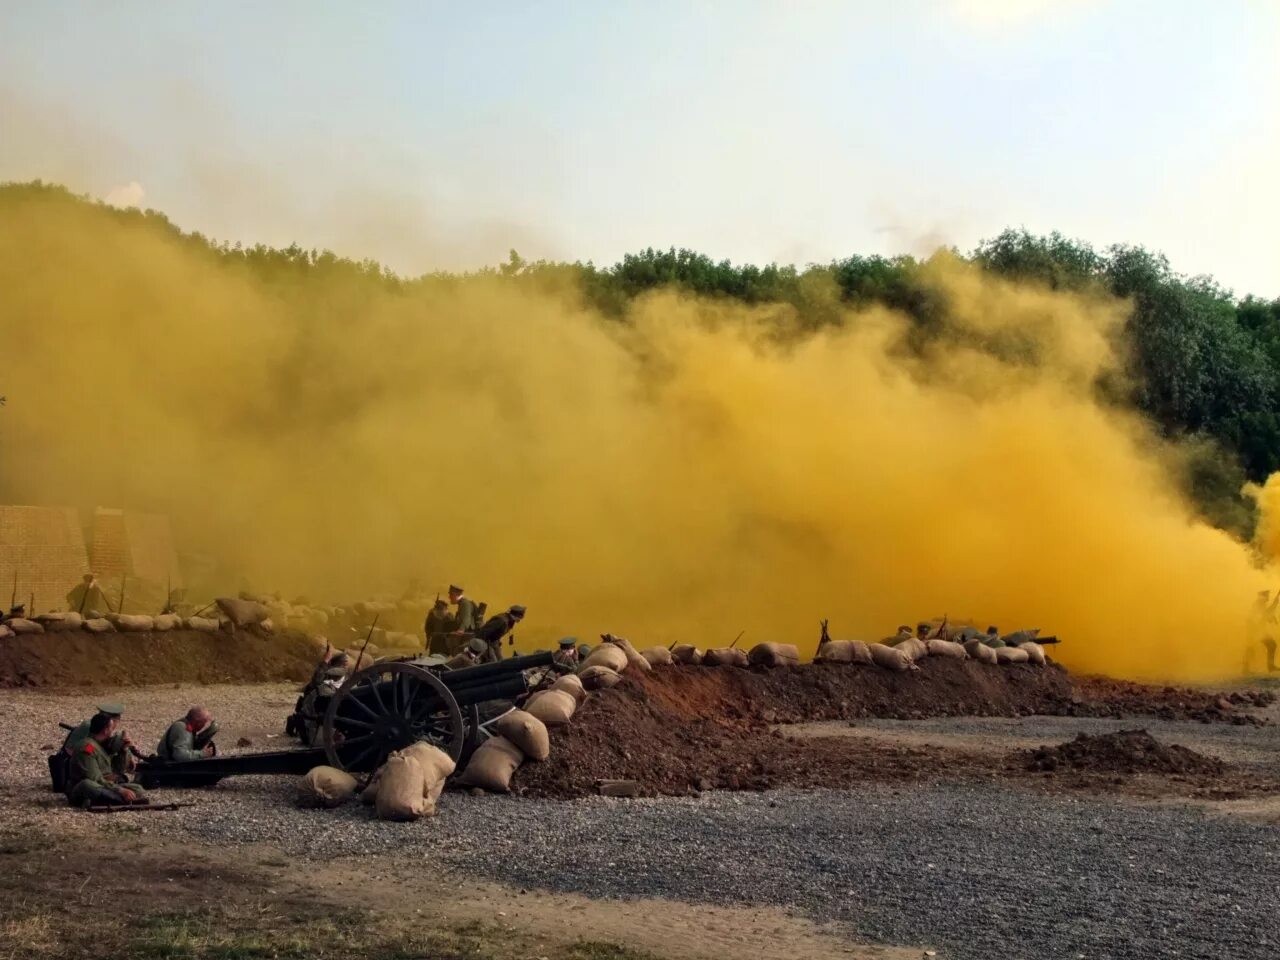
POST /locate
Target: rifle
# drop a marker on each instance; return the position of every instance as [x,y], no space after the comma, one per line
[736,639]
[123,578]
[13,597]
[360,655]
[137,807]
[823,637]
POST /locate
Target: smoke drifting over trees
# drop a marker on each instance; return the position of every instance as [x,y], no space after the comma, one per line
[1035,434]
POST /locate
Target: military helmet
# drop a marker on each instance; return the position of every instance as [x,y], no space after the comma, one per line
[517,611]
[477,646]
[567,643]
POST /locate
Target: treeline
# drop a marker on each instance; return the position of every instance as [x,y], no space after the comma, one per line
[1202,364]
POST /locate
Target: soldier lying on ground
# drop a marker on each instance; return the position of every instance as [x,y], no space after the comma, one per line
[91,781]
[190,738]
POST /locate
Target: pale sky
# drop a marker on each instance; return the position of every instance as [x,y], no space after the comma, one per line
[442,134]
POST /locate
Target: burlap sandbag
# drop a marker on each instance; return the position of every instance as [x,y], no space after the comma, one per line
[326,787]
[774,655]
[835,651]
[1011,655]
[242,613]
[1034,652]
[725,657]
[436,766]
[60,622]
[571,684]
[891,658]
[634,659]
[134,623]
[22,625]
[598,678]
[168,621]
[552,707]
[607,655]
[686,653]
[980,651]
[401,789]
[493,765]
[913,648]
[657,656]
[527,732]
[946,648]
[99,625]
[203,624]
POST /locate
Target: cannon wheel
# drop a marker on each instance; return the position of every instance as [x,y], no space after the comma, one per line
[390,716]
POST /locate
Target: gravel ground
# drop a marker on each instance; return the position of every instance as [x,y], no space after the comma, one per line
[972,871]
[1245,745]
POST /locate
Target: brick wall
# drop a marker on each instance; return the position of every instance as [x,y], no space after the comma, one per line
[45,548]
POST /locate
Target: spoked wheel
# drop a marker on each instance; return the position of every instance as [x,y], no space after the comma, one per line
[387,707]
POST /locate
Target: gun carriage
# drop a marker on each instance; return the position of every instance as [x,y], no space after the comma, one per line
[380,709]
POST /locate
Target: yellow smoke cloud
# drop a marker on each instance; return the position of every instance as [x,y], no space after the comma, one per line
[684,476]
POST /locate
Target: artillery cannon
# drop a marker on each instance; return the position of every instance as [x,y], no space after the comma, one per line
[378,710]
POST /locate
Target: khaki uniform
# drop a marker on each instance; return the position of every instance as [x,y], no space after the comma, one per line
[92,782]
[121,761]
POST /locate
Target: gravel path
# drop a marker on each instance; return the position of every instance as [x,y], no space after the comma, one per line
[972,871]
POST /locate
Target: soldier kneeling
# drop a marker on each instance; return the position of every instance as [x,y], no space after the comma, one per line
[92,782]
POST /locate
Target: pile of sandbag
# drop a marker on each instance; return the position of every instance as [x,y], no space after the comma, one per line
[890,658]
[522,736]
[686,653]
[658,656]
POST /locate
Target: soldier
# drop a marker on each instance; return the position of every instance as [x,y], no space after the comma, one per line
[497,627]
[469,656]
[439,624]
[87,597]
[464,620]
[119,749]
[190,738]
[922,631]
[91,781]
[567,655]
[1262,624]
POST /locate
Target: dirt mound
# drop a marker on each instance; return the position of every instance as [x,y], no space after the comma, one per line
[177,656]
[680,730]
[1104,697]
[1123,752]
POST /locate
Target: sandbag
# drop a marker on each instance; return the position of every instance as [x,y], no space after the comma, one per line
[835,651]
[598,678]
[1011,655]
[99,625]
[326,787]
[724,657]
[436,766]
[60,622]
[168,621]
[946,648]
[203,624]
[686,653]
[552,707]
[890,658]
[527,732]
[22,625]
[401,789]
[774,655]
[634,659]
[571,684]
[242,613]
[980,651]
[1034,651]
[493,765]
[134,623]
[657,656]
[913,648]
[607,655]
